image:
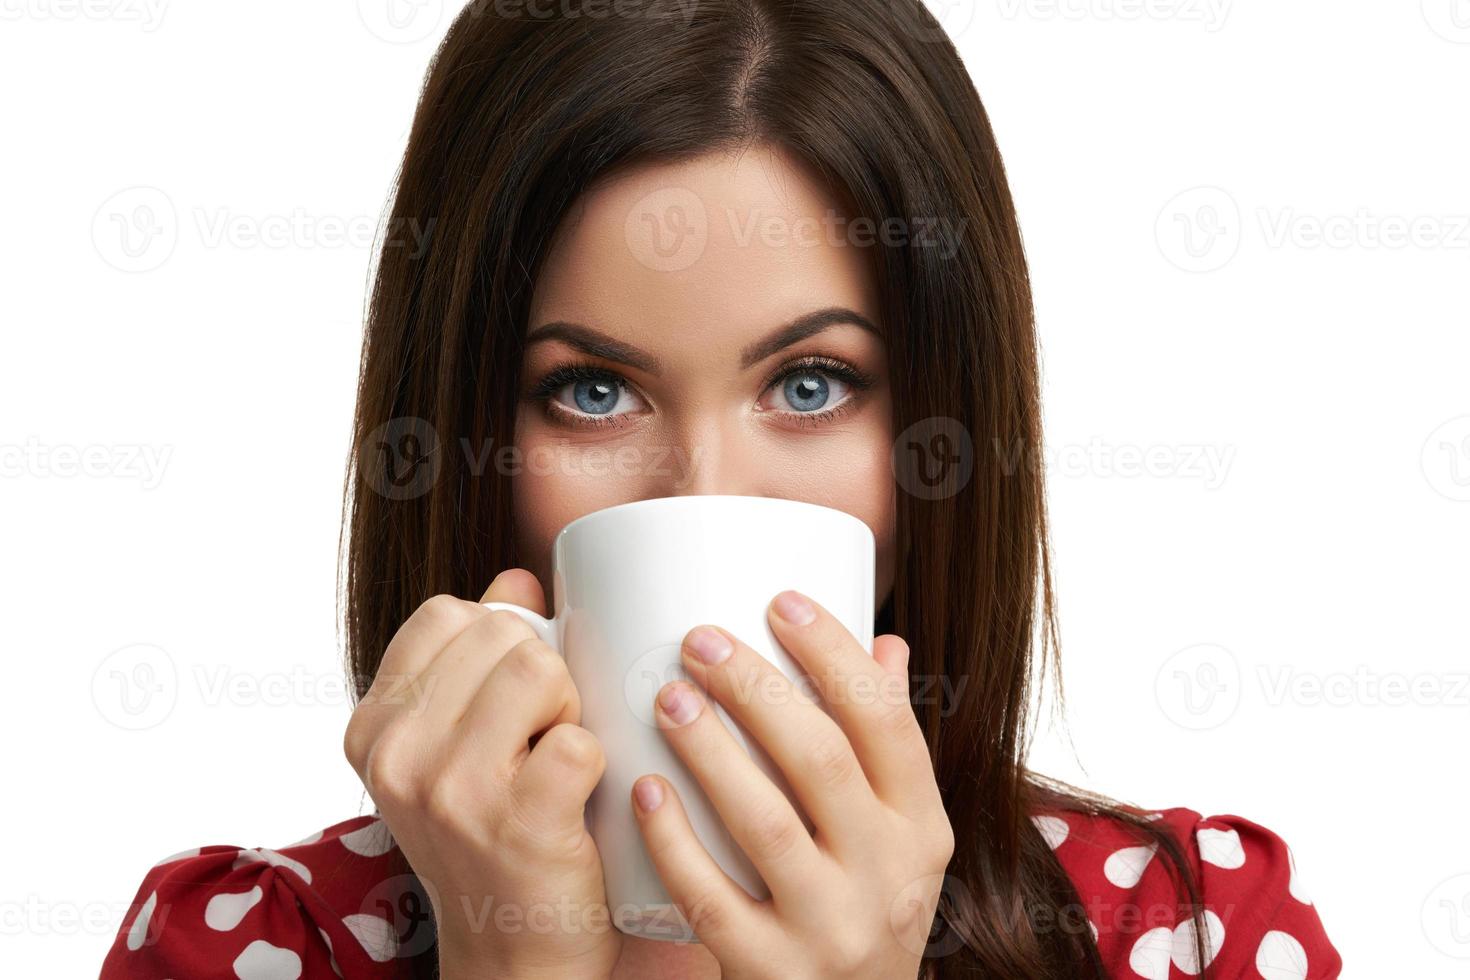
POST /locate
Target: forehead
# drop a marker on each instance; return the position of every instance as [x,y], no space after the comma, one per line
[704,254]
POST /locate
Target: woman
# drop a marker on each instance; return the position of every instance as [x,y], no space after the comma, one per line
[762,247]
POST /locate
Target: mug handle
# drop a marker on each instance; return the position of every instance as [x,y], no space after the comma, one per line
[545,628]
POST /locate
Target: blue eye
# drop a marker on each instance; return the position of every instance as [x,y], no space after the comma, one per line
[596,397]
[814,391]
[806,391]
[590,394]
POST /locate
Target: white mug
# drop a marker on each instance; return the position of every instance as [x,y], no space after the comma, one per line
[629,582]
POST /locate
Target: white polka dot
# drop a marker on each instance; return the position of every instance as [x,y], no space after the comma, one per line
[1221,848]
[191,852]
[1150,955]
[1281,957]
[1053,830]
[252,855]
[1124,867]
[1185,955]
[225,910]
[139,931]
[328,940]
[375,935]
[1293,884]
[371,840]
[262,961]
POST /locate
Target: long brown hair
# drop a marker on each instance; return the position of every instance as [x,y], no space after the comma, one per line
[517,117]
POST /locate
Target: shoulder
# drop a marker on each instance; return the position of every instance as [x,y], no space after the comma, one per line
[1259,918]
[340,901]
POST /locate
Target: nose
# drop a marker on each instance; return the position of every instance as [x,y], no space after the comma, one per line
[710,457]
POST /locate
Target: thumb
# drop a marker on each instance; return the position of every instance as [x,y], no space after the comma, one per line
[518,587]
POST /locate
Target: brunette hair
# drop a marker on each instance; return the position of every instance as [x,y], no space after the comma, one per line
[518,116]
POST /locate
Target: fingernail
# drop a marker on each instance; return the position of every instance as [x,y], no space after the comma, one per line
[679,703]
[794,608]
[709,645]
[648,793]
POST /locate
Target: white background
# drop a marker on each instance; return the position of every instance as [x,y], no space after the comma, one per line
[1250,238]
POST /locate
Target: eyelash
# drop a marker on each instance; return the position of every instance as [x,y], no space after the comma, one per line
[545,390]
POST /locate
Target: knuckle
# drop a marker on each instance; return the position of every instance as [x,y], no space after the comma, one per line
[389,771]
[706,917]
[847,953]
[353,743]
[444,609]
[574,747]
[774,832]
[358,740]
[895,720]
[533,662]
[944,843]
[831,762]
[507,624]
[663,850]
[908,913]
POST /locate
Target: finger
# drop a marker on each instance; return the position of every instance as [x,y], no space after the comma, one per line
[759,817]
[553,785]
[526,692]
[518,587]
[397,690]
[456,673]
[721,912]
[452,679]
[427,631]
[810,748]
[892,652]
[868,701]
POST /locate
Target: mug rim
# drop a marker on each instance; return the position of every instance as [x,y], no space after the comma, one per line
[715,499]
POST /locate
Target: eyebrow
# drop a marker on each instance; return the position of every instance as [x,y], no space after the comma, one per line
[598,344]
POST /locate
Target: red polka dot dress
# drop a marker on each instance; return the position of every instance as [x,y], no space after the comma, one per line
[1260,923]
[339,904]
[335,904]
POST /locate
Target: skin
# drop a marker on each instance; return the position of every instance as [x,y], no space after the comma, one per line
[469,739]
[704,424]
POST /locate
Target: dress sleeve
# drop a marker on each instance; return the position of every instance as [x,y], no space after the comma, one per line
[333,905]
[1260,919]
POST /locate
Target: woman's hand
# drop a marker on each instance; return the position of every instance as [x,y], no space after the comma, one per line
[857,897]
[492,826]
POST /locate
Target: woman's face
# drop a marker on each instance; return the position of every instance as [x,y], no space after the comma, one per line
[684,295]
